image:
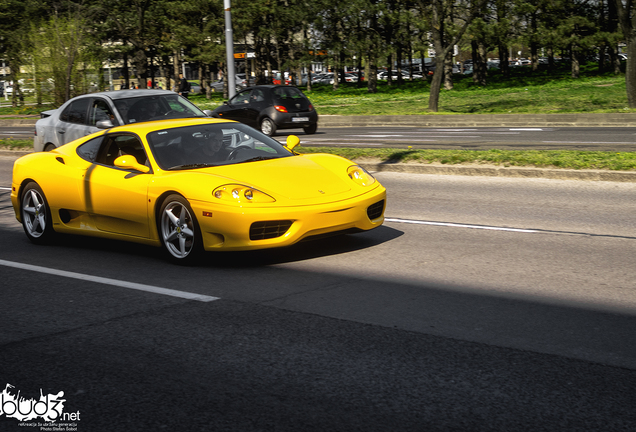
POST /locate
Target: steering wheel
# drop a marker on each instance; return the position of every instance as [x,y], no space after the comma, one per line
[233,153]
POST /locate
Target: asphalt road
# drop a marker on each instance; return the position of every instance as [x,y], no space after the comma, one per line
[479,138]
[481,304]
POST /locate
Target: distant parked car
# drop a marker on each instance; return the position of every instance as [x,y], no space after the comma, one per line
[217,86]
[271,107]
[86,114]
[194,87]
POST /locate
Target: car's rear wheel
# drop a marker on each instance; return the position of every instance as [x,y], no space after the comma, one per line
[309,130]
[268,127]
[179,230]
[49,147]
[36,214]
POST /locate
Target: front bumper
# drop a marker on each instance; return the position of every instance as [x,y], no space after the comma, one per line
[228,228]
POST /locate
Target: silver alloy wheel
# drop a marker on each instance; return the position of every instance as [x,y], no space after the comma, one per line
[34,213]
[177,229]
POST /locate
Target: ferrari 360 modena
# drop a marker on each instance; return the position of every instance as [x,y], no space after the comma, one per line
[192,185]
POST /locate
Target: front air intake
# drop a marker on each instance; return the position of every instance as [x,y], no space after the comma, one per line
[269,229]
[374,211]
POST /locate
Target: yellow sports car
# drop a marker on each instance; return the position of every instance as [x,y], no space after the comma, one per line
[192,185]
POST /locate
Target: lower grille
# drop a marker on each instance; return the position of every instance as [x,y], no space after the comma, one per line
[269,229]
[374,211]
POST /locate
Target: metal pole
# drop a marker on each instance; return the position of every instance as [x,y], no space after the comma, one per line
[229,48]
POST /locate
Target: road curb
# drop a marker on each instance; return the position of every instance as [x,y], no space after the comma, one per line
[516,172]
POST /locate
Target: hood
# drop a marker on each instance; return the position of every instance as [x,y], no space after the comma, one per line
[296,178]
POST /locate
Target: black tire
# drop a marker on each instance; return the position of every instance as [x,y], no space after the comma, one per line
[179,231]
[36,214]
[310,130]
[49,147]
[268,127]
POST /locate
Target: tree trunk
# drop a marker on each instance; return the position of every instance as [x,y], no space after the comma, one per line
[479,62]
[175,66]
[630,71]
[141,64]
[576,66]
[504,65]
[436,84]
[448,71]
[372,76]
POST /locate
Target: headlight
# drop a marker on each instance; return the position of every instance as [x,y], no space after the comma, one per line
[241,194]
[360,175]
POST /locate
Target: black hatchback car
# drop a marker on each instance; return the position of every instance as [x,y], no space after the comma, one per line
[269,108]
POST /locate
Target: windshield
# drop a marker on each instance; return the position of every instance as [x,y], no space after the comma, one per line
[212,144]
[156,107]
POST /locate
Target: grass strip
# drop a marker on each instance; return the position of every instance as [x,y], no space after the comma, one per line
[16,144]
[565,159]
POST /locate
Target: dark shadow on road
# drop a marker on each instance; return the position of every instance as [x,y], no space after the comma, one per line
[304,250]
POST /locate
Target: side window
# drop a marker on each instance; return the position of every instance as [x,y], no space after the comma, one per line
[75,112]
[119,145]
[241,98]
[100,111]
[257,95]
[88,151]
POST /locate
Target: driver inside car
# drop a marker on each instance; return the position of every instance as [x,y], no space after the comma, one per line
[213,148]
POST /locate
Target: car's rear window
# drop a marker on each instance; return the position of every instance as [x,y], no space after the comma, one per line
[283,93]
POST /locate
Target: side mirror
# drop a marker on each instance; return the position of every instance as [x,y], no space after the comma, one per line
[104,124]
[292,142]
[207,113]
[129,162]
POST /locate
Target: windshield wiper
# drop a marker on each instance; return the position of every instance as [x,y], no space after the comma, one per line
[259,158]
[188,166]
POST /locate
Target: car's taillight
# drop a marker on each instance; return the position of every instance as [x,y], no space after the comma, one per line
[311,107]
[280,108]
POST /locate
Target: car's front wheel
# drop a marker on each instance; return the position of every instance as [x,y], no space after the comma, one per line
[36,214]
[179,230]
[268,127]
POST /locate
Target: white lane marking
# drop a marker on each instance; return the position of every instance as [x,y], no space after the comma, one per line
[526,129]
[5,188]
[456,225]
[114,282]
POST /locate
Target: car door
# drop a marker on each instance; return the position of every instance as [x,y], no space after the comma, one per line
[73,121]
[258,101]
[237,107]
[117,199]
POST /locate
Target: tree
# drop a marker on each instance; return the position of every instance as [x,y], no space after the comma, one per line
[627,18]
[449,20]
[16,17]
[61,53]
